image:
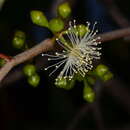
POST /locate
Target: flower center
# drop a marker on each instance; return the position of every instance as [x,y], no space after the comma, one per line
[76,53]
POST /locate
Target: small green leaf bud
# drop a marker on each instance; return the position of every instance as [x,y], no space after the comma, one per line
[88,94]
[56,25]
[34,80]
[29,70]
[64,10]
[82,30]
[39,18]
[64,83]
[19,39]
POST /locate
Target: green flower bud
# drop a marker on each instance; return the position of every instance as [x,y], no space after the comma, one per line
[18,43]
[88,94]
[39,18]
[56,25]
[82,30]
[19,39]
[64,10]
[29,70]
[103,72]
[20,34]
[34,80]
[107,76]
[64,83]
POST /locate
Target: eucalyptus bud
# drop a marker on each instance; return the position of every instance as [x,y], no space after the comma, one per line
[103,72]
[29,69]
[88,94]
[64,83]
[39,18]
[34,80]
[82,30]
[19,40]
[56,25]
[64,10]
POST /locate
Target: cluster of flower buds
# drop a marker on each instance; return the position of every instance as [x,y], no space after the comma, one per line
[32,77]
[56,24]
[80,47]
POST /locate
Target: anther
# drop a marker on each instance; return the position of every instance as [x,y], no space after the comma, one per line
[45,68]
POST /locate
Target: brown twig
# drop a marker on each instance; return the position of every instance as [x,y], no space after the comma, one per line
[22,57]
[115,34]
[47,45]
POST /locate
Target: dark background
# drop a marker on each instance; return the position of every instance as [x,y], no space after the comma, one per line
[47,107]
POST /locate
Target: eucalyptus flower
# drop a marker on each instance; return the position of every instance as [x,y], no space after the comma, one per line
[78,51]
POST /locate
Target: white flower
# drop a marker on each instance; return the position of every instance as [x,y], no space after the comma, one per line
[78,54]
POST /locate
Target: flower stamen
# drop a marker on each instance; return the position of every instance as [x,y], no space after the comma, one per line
[79,51]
